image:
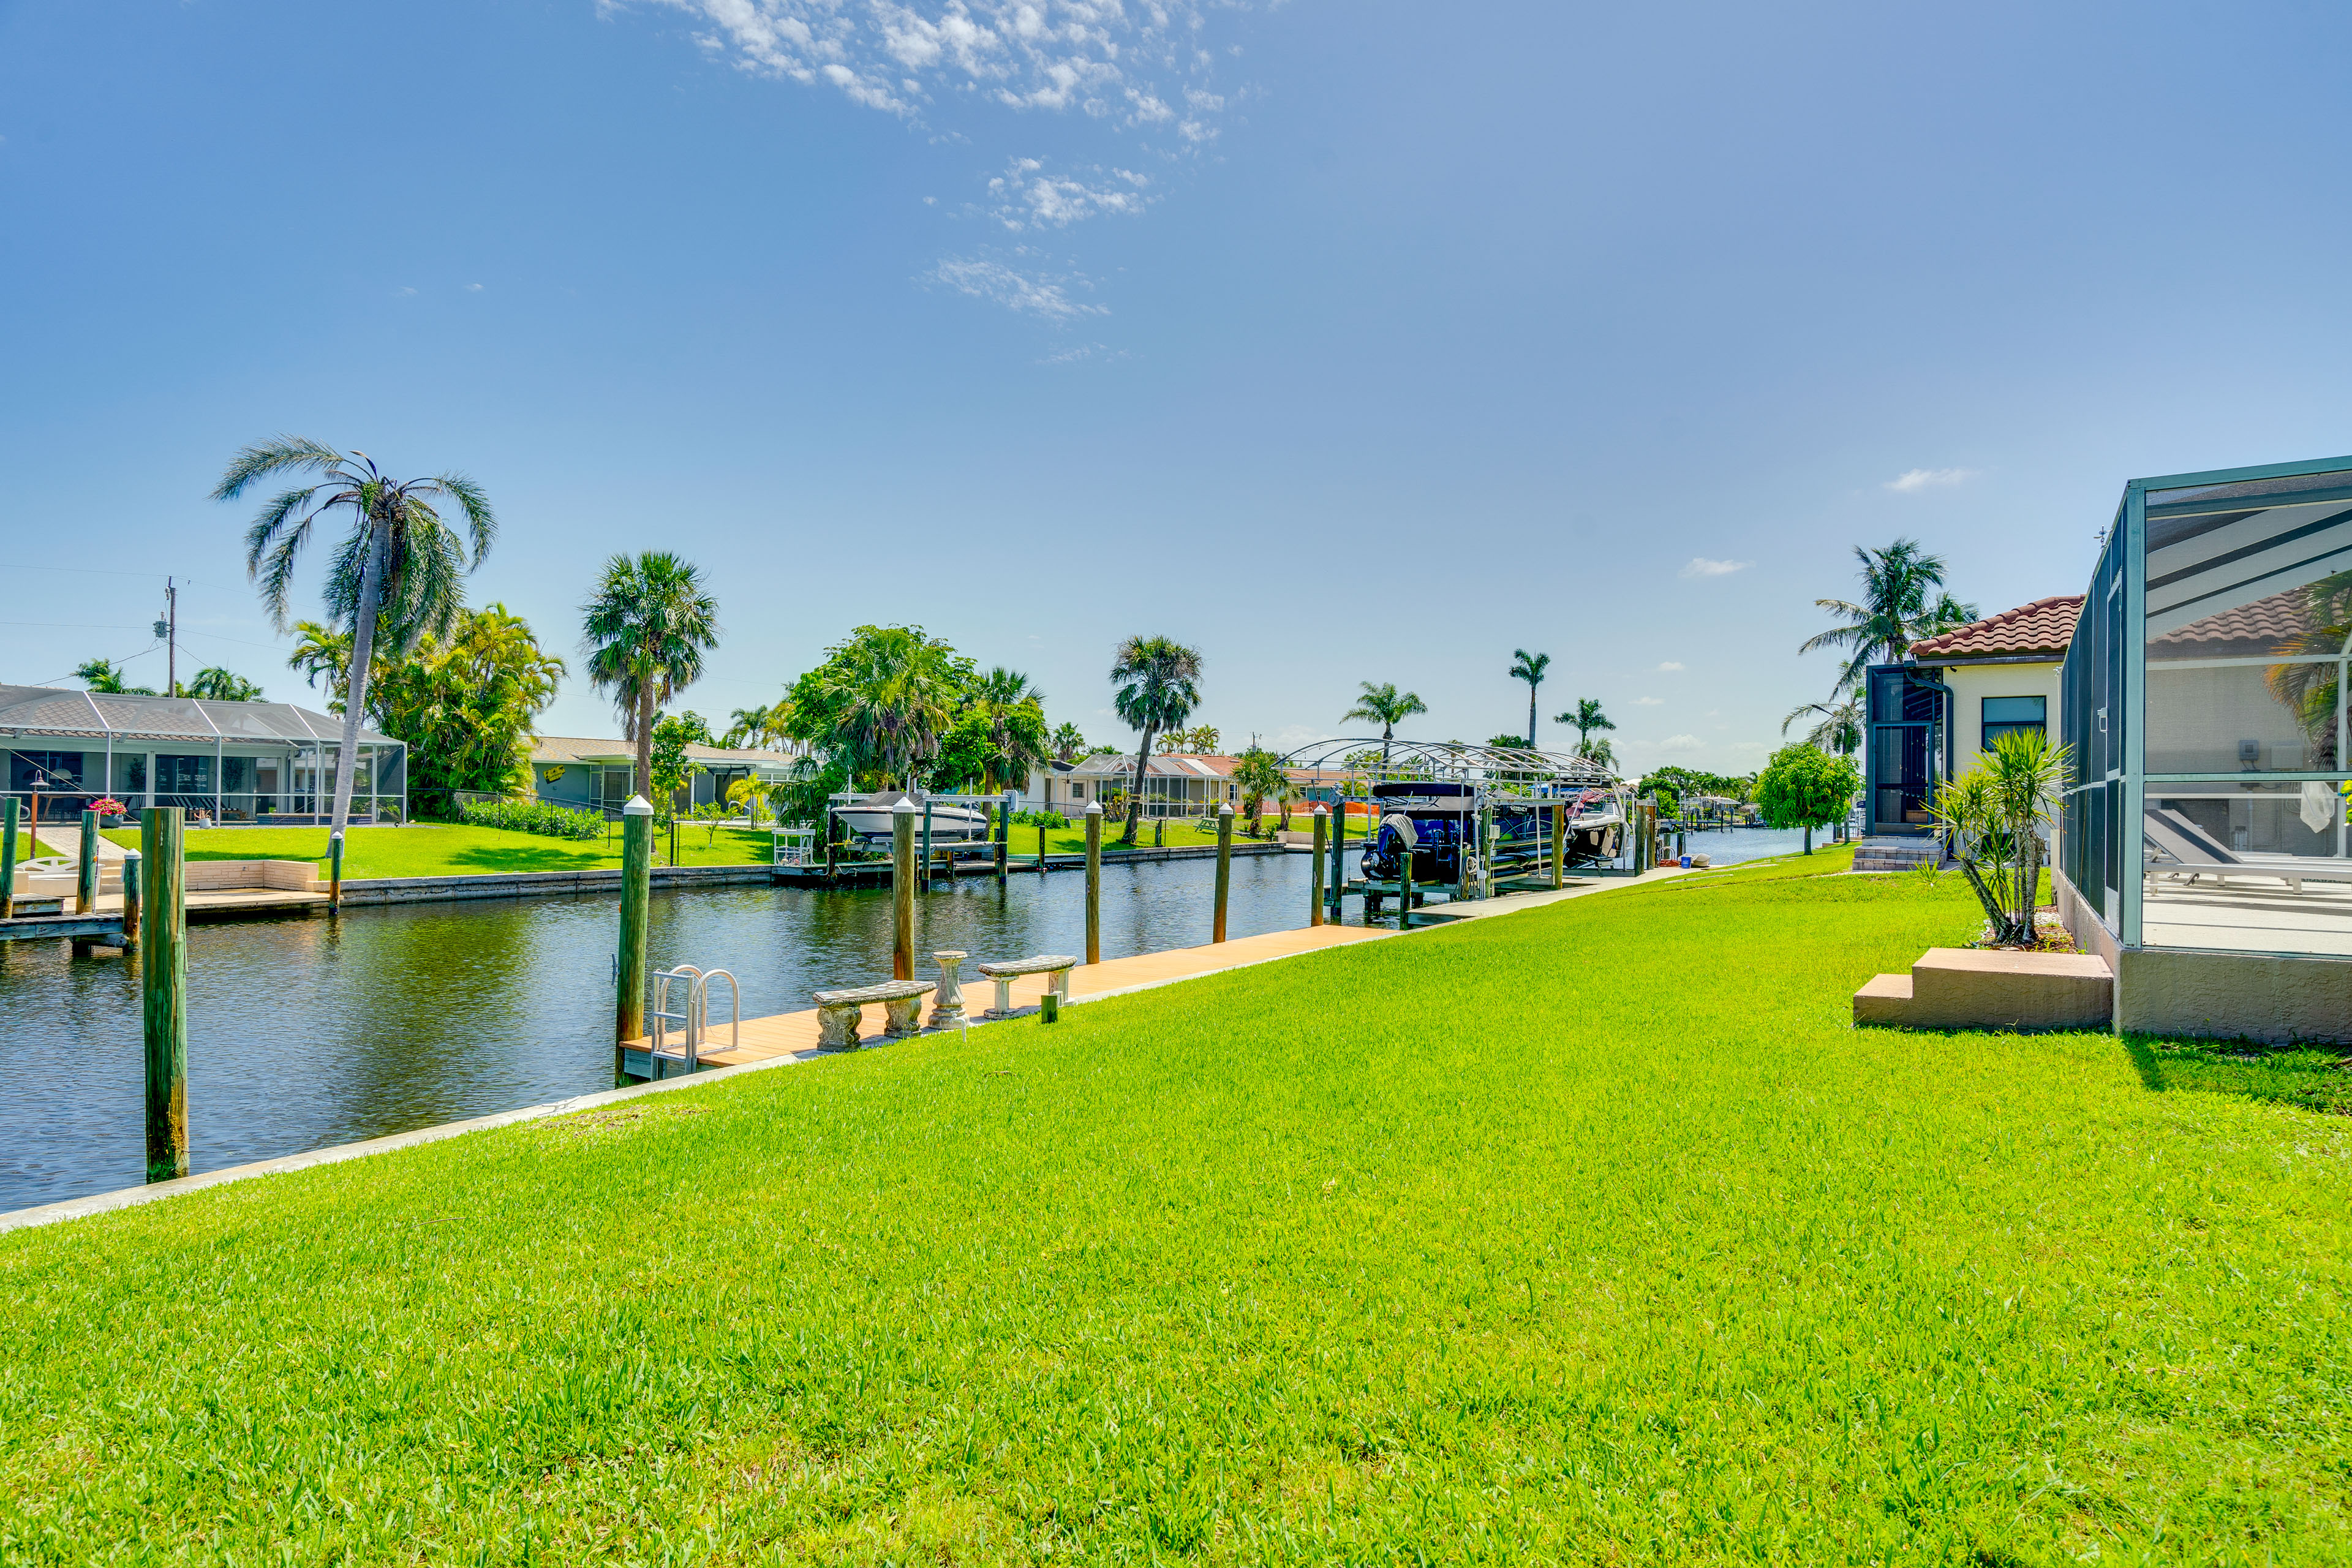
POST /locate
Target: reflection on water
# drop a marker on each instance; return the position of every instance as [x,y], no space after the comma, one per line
[304,1032]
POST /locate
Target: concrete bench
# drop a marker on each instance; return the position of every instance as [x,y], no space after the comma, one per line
[1056,964]
[837,1012]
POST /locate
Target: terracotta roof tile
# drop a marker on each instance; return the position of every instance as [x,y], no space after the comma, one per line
[2046,625]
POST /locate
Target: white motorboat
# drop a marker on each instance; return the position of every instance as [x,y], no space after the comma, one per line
[870,817]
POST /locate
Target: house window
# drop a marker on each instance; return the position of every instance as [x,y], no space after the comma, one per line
[2014,716]
[1078,792]
[62,768]
[183,775]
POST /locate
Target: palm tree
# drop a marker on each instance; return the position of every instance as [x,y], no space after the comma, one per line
[1016,741]
[1069,745]
[1158,685]
[1386,706]
[1261,777]
[394,576]
[890,693]
[1587,718]
[1530,667]
[219,685]
[1839,725]
[645,631]
[105,677]
[1895,611]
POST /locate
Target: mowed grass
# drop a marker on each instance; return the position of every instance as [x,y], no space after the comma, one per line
[437,850]
[1589,1234]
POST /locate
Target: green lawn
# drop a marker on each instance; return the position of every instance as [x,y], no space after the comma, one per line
[432,850]
[1590,1234]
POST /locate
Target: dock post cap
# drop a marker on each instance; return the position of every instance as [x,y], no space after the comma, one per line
[1227,809]
[1093,808]
[638,805]
[1320,812]
[904,805]
[130,853]
[338,832]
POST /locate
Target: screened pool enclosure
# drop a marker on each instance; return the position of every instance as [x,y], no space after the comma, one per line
[2205,698]
[232,762]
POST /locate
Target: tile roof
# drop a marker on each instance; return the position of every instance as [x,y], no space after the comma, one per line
[2045,626]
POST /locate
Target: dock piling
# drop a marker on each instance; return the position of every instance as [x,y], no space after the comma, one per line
[923,877]
[163,984]
[1224,867]
[335,869]
[10,809]
[1558,843]
[1404,887]
[1314,877]
[1336,884]
[86,870]
[1093,881]
[132,861]
[902,889]
[1041,849]
[636,899]
[1003,839]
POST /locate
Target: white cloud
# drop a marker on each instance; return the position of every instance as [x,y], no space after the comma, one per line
[1039,294]
[1912,481]
[1668,668]
[1079,353]
[901,55]
[1681,744]
[1652,703]
[1700,566]
[1026,196]
[473,288]
[403,292]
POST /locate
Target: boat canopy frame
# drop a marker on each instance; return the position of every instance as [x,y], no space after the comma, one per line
[1484,774]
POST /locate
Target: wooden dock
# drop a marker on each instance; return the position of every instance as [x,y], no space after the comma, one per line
[795,1034]
[104,921]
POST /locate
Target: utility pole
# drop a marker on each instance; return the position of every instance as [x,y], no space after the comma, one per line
[167,631]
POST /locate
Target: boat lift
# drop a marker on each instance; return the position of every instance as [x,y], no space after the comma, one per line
[1410,786]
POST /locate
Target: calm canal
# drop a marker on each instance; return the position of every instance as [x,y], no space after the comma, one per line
[306,1033]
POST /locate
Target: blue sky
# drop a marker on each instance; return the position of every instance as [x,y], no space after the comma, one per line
[1348,342]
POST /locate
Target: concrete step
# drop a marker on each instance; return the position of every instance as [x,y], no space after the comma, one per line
[1988,988]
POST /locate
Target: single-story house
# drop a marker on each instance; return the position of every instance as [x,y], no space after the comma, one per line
[237,762]
[1927,718]
[596,774]
[1175,784]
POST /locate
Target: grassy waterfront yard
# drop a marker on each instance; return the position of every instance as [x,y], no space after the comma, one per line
[1591,1234]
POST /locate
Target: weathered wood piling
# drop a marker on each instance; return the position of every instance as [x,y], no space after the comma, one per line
[10,809]
[902,889]
[86,870]
[163,985]
[1315,877]
[636,901]
[1224,867]
[1093,881]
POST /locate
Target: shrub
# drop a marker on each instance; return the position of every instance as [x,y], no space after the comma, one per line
[540,817]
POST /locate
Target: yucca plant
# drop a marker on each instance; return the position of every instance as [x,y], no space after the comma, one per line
[1994,814]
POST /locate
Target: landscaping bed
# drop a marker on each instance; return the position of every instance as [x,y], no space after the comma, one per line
[1588,1233]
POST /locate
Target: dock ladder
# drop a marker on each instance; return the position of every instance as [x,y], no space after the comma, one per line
[692,1019]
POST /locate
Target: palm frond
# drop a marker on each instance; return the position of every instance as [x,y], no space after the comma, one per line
[263,458]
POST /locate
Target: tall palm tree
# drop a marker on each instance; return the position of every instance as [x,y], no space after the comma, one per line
[1016,739]
[393,580]
[105,677]
[890,694]
[1158,685]
[1386,706]
[1903,602]
[1837,723]
[643,632]
[1530,667]
[1069,745]
[1587,718]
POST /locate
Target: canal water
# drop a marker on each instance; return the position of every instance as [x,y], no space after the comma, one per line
[304,1032]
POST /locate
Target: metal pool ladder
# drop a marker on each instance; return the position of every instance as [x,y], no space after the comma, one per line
[692,1019]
